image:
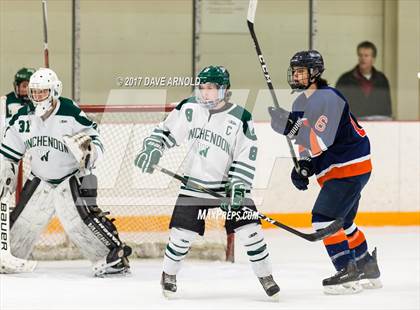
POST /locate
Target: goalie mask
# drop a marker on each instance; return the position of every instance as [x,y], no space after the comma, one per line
[44,87]
[213,87]
[306,68]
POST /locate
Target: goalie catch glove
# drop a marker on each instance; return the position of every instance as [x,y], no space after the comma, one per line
[8,177]
[150,154]
[80,145]
[235,195]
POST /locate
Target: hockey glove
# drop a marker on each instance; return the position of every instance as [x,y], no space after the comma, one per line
[301,179]
[150,155]
[284,122]
[8,176]
[236,195]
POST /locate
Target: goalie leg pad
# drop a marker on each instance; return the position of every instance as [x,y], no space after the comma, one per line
[81,226]
[177,248]
[88,227]
[30,216]
[252,238]
[27,191]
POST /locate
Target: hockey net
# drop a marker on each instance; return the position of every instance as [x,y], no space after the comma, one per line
[142,204]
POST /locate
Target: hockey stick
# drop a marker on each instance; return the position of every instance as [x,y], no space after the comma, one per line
[250,20]
[45,19]
[316,236]
[8,262]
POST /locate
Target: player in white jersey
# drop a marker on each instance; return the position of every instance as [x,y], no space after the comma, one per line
[63,145]
[221,157]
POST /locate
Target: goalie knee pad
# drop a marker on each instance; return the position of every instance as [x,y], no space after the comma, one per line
[177,248]
[252,238]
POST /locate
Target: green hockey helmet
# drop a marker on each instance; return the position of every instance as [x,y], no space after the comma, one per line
[218,75]
[215,74]
[22,75]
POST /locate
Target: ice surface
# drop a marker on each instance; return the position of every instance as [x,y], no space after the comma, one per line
[299,267]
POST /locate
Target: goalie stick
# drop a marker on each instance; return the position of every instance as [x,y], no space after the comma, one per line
[250,20]
[316,236]
[8,262]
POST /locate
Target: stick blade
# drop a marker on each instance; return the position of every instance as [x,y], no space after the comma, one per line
[329,230]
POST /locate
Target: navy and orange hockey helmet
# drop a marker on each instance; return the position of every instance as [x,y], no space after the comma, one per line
[313,61]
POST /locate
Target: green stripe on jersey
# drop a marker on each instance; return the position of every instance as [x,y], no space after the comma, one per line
[58,181]
[96,142]
[204,182]
[243,172]
[9,156]
[235,177]
[166,134]
[11,150]
[243,164]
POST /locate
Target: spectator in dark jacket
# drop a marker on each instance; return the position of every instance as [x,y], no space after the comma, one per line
[366,89]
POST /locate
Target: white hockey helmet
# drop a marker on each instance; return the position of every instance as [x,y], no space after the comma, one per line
[44,79]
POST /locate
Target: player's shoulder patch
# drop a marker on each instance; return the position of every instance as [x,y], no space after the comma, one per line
[326,99]
[246,118]
[69,108]
[185,101]
[23,111]
[11,98]
[240,113]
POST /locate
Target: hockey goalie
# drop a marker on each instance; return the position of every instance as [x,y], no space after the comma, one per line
[63,145]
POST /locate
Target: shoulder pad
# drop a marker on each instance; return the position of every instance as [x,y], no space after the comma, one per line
[21,112]
[187,100]
[246,118]
[68,107]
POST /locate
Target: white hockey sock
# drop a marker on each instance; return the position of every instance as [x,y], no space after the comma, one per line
[178,246]
[251,237]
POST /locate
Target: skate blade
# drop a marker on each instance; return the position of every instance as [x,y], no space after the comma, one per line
[349,288]
[168,294]
[121,274]
[370,284]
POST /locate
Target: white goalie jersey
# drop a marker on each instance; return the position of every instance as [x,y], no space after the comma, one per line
[222,145]
[50,158]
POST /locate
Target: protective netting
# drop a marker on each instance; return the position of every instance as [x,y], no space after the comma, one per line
[141,203]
